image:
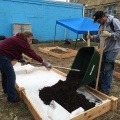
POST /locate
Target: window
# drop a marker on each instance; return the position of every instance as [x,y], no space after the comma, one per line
[110,9]
[75,1]
[89,12]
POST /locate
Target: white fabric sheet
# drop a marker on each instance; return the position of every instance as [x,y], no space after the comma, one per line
[34,79]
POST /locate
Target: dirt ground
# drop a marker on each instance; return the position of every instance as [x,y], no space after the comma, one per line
[19,111]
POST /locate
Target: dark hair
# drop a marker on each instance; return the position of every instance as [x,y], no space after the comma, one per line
[98,15]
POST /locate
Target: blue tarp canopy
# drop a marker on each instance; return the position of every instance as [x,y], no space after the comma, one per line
[79,25]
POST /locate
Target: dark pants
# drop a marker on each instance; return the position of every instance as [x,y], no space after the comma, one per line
[8,77]
[107,68]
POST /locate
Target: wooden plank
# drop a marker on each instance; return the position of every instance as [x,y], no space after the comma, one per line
[104,97]
[55,54]
[114,103]
[32,109]
[94,112]
[97,93]
[27,58]
[117,74]
[60,48]
[42,50]
[117,61]
[69,52]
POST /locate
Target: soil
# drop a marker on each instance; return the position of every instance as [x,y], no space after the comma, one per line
[19,111]
[64,93]
[58,51]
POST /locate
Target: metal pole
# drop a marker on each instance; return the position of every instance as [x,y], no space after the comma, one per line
[76,42]
[55,33]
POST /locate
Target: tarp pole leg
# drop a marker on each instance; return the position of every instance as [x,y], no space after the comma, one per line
[76,42]
[55,33]
[88,40]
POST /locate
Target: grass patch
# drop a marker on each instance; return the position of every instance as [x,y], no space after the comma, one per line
[24,107]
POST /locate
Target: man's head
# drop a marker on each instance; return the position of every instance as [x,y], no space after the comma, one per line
[100,17]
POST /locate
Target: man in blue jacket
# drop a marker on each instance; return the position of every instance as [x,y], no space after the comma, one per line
[111,47]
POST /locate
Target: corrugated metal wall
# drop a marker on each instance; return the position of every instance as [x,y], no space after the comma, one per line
[42,16]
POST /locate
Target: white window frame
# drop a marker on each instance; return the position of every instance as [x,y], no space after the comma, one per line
[89,12]
[110,9]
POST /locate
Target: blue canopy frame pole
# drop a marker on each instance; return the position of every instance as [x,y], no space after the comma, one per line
[76,42]
[55,33]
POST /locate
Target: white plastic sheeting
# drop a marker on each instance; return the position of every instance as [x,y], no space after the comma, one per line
[34,79]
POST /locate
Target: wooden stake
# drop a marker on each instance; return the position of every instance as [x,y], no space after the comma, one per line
[101,53]
[88,40]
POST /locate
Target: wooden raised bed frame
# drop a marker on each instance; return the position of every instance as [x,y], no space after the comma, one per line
[87,115]
[69,52]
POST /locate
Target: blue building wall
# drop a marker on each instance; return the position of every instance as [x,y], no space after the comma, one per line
[41,14]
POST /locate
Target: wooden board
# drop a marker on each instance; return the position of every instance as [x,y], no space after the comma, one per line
[87,115]
[94,112]
[117,61]
[90,114]
[27,58]
[69,52]
[117,74]
[32,109]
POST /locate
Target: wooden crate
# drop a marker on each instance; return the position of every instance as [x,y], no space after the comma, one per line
[69,52]
[90,114]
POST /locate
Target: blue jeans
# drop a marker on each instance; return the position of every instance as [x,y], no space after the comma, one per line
[8,77]
[107,69]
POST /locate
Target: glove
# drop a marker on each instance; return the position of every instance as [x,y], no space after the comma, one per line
[89,37]
[46,64]
[23,60]
[106,34]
